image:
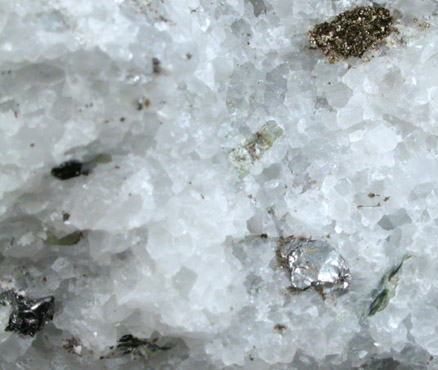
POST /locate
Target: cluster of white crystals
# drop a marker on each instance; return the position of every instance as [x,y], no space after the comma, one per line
[207,132]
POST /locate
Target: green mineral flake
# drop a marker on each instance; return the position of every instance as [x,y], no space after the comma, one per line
[352,33]
[70,239]
[385,290]
[379,303]
[253,149]
[102,158]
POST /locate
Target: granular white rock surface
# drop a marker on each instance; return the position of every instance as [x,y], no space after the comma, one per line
[175,234]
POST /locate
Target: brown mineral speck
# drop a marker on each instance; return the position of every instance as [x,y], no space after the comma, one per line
[424,24]
[280,327]
[122,119]
[352,32]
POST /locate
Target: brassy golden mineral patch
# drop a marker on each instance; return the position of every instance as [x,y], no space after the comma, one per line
[352,32]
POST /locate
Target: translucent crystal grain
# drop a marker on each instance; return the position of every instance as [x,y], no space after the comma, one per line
[253,149]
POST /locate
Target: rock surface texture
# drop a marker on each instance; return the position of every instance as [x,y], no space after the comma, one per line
[155,155]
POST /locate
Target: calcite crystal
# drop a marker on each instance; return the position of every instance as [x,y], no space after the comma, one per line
[317,264]
[208,130]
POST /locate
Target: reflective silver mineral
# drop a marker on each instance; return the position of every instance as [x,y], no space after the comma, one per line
[317,264]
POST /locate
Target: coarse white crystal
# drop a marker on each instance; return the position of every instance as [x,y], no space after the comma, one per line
[212,130]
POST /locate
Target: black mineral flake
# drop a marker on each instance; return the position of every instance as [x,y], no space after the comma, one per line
[68,170]
[129,344]
[30,315]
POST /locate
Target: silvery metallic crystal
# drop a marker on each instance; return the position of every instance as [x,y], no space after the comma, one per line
[313,263]
[28,315]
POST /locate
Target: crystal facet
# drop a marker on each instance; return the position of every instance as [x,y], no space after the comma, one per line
[30,315]
[313,263]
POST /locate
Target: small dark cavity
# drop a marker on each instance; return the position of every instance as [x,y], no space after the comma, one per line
[156,65]
[382,364]
[65,216]
[258,6]
[29,315]
[352,33]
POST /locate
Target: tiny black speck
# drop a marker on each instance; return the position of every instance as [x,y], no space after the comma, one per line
[156,65]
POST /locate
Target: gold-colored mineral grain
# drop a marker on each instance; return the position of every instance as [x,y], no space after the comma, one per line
[352,32]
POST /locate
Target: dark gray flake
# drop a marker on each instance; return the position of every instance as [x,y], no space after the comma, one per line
[29,315]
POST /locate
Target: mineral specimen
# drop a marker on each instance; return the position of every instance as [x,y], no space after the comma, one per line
[73,345]
[137,347]
[315,264]
[68,170]
[385,290]
[29,315]
[173,242]
[69,239]
[352,32]
[246,154]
